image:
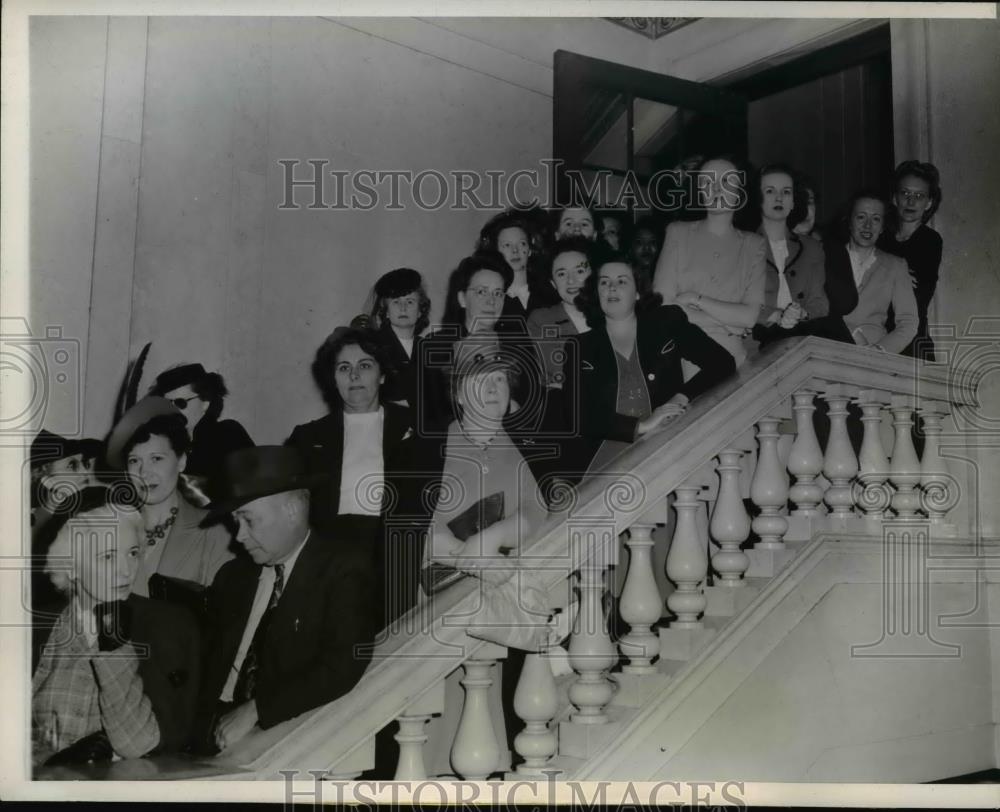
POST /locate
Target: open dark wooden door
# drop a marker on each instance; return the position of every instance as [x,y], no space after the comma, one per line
[613,119]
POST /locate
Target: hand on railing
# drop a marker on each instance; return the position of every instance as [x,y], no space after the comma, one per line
[662,416]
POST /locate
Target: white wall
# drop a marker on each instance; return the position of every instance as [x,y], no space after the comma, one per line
[947,111]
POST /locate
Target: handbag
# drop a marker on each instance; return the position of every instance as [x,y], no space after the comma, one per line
[486,512]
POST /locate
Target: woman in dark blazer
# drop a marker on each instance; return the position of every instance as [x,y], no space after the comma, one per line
[354,445]
[627,378]
[399,314]
[199,396]
[916,197]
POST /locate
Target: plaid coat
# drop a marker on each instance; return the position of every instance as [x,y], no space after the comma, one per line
[142,694]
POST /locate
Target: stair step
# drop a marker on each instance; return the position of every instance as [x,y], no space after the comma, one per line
[768,563]
[634,690]
[682,644]
[668,667]
[582,740]
[564,767]
[726,601]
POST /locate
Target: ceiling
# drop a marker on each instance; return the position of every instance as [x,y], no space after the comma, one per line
[652,27]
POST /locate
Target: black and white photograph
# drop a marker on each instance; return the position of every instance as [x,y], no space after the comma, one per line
[501,403]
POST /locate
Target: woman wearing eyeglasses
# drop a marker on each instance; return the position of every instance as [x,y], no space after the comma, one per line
[151,445]
[916,198]
[198,395]
[473,325]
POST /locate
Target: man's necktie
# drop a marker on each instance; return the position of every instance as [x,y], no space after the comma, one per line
[246,682]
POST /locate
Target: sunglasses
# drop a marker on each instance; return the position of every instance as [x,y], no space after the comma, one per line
[181,403]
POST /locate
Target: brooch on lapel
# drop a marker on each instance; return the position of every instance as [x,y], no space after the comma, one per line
[409,433]
[295,625]
[668,347]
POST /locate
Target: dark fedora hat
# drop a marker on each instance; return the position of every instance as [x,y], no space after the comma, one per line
[143,411]
[263,470]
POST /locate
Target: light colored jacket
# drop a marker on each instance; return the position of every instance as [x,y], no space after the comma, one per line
[886,282]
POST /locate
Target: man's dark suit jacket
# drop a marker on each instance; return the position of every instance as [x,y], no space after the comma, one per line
[321,443]
[318,640]
[167,640]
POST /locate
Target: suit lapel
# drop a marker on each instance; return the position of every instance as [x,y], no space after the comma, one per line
[298,592]
[794,251]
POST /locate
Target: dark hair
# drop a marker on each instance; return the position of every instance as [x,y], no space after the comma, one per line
[754,212]
[326,357]
[171,426]
[535,266]
[619,216]
[209,386]
[557,214]
[589,303]
[806,184]
[926,172]
[380,303]
[489,234]
[841,231]
[648,222]
[567,244]
[458,282]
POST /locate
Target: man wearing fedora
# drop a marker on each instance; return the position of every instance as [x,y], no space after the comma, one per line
[291,627]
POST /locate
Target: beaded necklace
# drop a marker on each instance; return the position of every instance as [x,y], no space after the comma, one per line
[159,531]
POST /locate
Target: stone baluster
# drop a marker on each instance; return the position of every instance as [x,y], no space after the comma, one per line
[640,603]
[535,703]
[805,460]
[475,753]
[904,468]
[841,463]
[591,652]
[935,484]
[412,734]
[687,562]
[769,488]
[873,463]
[730,524]
[411,738]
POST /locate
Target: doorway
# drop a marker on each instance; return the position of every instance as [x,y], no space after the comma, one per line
[828,114]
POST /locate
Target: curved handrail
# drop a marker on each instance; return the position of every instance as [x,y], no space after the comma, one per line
[407,665]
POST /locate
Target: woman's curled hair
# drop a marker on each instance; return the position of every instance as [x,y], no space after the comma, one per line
[589,303]
[324,364]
